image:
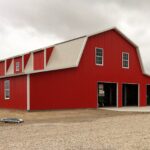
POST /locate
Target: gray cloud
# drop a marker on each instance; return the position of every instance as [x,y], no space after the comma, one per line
[30,24]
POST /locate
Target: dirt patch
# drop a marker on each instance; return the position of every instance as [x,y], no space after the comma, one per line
[78,115]
[76,130]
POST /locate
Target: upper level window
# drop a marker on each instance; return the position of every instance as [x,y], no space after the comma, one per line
[7,89]
[99,56]
[17,66]
[125,60]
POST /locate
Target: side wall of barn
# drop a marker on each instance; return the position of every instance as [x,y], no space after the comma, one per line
[77,87]
[18,93]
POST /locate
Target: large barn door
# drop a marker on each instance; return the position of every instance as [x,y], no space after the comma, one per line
[130,94]
[107,94]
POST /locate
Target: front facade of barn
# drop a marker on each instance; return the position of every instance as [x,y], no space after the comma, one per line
[103,69]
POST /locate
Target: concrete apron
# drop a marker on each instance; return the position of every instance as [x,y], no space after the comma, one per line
[128,109]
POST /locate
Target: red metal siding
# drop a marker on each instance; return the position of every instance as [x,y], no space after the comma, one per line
[77,88]
[18,93]
[39,60]
[60,90]
[26,58]
[8,62]
[18,59]
[48,53]
[2,68]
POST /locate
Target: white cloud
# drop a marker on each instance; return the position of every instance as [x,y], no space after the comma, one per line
[29,24]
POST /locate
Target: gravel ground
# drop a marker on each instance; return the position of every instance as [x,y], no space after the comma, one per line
[76,130]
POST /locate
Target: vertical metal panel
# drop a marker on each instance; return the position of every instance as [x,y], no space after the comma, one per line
[2,68]
[38,60]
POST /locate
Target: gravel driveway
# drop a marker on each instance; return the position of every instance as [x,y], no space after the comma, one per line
[75,130]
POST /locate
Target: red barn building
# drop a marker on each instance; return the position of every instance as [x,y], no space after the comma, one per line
[104,68]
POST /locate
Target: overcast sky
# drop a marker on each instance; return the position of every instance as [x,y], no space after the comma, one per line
[26,25]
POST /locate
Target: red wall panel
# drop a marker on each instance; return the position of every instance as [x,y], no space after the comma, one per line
[39,60]
[8,62]
[18,59]
[26,58]
[48,53]
[77,87]
[2,68]
[18,93]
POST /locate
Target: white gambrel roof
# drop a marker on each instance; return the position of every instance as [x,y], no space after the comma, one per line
[66,55]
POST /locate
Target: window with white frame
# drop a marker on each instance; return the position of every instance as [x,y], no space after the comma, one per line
[7,89]
[125,60]
[17,66]
[99,56]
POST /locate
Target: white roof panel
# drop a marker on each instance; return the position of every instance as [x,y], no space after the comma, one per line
[67,54]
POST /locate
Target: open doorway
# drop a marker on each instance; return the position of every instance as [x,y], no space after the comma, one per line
[107,94]
[130,94]
[148,94]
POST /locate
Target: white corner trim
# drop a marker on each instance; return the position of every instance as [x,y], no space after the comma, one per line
[28,92]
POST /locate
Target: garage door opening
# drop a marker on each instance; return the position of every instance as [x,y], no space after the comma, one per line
[148,95]
[107,94]
[130,94]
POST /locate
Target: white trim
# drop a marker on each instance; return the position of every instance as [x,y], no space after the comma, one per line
[101,56]
[126,60]
[28,92]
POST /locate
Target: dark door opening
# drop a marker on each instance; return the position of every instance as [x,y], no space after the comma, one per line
[107,94]
[148,94]
[130,95]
